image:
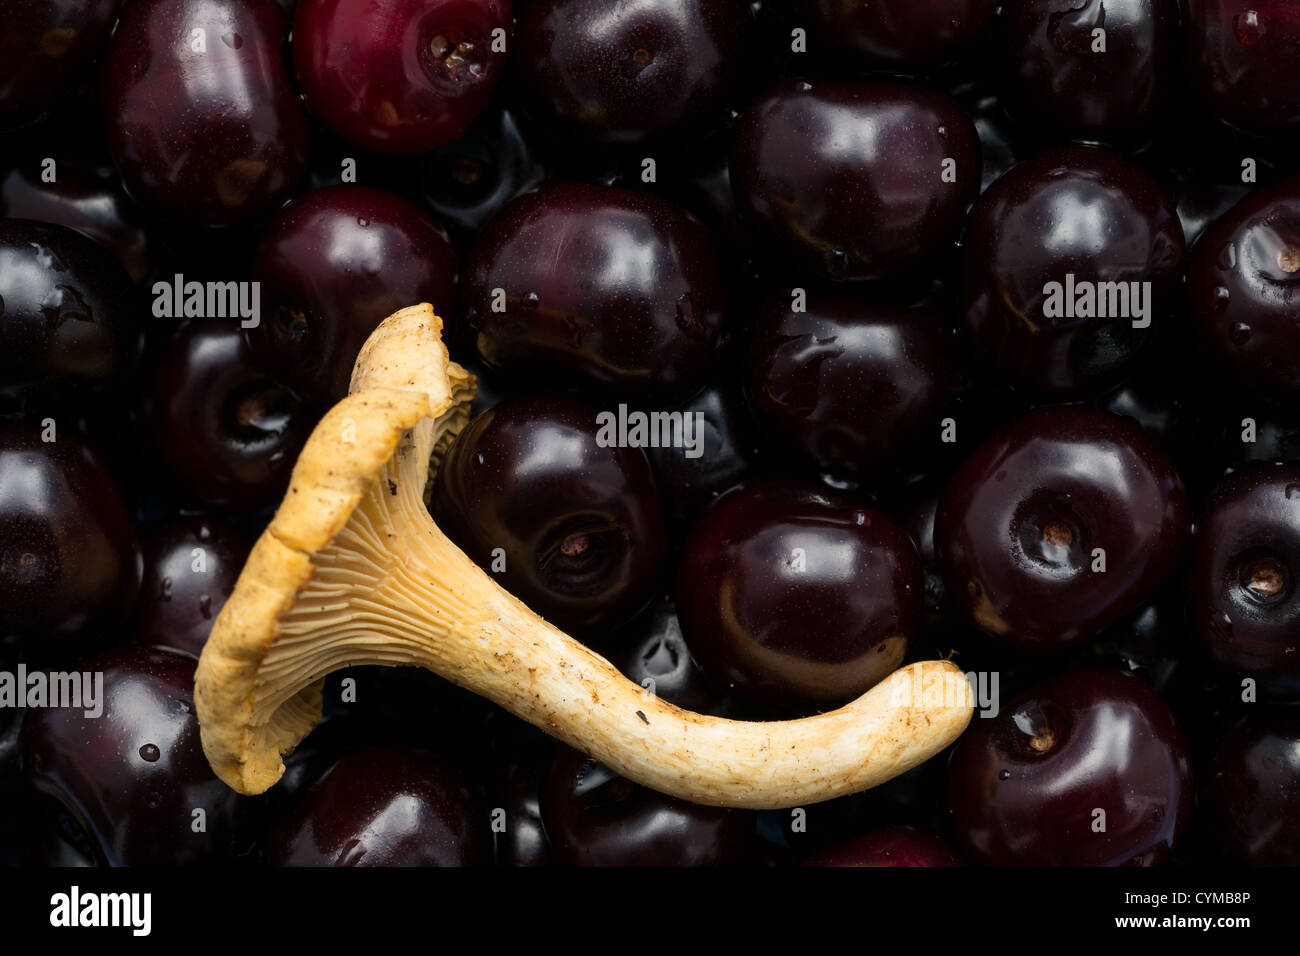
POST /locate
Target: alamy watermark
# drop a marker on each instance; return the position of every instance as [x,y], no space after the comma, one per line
[1084,299]
[179,299]
[638,429]
[77,690]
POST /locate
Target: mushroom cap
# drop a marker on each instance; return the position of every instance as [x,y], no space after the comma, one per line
[403,374]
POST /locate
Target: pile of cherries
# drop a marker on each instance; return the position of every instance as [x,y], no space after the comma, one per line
[979,330]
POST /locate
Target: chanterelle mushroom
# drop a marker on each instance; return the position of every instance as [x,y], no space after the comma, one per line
[353,570]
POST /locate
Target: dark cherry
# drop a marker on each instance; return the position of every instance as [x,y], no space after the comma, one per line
[603,285]
[576,523]
[227,433]
[1087,768]
[651,652]
[326,263]
[69,558]
[69,314]
[1244,577]
[1244,288]
[385,806]
[1241,55]
[725,452]
[213,136]
[620,74]
[856,385]
[1073,212]
[46,47]
[1028,522]
[1066,79]
[1201,203]
[901,32]
[467,182]
[190,566]
[402,77]
[82,197]
[795,596]
[893,846]
[1252,789]
[594,817]
[135,778]
[999,138]
[854,179]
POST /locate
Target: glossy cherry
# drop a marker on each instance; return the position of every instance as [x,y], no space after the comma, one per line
[900,32]
[855,385]
[204,127]
[48,45]
[854,179]
[1241,55]
[401,77]
[570,525]
[1244,577]
[134,777]
[467,182]
[85,198]
[1087,768]
[796,596]
[69,315]
[227,433]
[385,806]
[1029,521]
[594,817]
[892,846]
[620,74]
[1041,240]
[190,566]
[516,790]
[603,285]
[69,558]
[327,274]
[1252,789]
[1102,70]
[1244,289]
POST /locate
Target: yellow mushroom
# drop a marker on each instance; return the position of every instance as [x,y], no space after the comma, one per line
[353,570]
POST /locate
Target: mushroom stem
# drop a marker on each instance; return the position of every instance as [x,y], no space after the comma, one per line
[383,585]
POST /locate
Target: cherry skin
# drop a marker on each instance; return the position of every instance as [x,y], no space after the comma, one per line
[385,806]
[134,776]
[577,524]
[1082,212]
[1020,523]
[401,77]
[1252,789]
[227,433]
[1244,289]
[892,846]
[213,136]
[516,789]
[855,385]
[46,47]
[1027,787]
[83,198]
[1061,81]
[794,596]
[1241,55]
[623,74]
[69,558]
[71,316]
[594,817]
[191,563]
[325,263]
[607,286]
[1245,571]
[899,32]
[854,179]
